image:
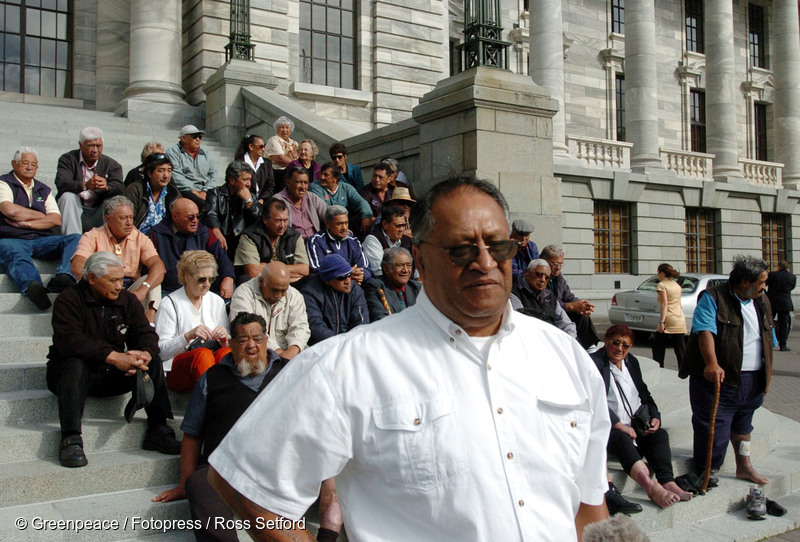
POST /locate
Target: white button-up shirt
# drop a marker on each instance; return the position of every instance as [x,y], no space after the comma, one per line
[427,439]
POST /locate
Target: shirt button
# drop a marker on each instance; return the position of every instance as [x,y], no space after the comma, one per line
[573,423]
[510,455]
[452,340]
[417,421]
[521,502]
[499,410]
[458,332]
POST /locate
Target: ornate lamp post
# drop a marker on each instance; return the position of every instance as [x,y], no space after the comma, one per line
[482,32]
[239,46]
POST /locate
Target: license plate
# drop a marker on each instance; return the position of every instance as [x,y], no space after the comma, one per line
[634,318]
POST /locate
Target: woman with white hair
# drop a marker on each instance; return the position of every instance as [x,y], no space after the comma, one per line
[306,153]
[192,323]
[281,150]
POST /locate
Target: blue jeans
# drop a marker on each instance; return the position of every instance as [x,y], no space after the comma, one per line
[17,255]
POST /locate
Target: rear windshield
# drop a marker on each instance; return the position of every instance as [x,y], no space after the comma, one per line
[687,284]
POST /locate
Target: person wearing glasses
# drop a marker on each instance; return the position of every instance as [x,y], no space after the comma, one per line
[395,290]
[193,169]
[530,295]
[333,192]
[335,304]
[251,151]
[387,234]
[192,323]
[626,392]
[426,416]
[137,174]
[182,231]
[153,196]
[337,239]
[350,173]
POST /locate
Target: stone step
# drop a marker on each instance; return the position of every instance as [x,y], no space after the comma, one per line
[122,507]
[46,480]
[22,376]
[670,395]
[25,349]
[16,303]
[22,325]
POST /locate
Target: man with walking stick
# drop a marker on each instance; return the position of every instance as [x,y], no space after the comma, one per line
[730,346]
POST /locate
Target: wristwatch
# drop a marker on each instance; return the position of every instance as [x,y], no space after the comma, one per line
[145,283]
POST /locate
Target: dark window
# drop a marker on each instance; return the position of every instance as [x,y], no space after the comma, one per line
[618,16]
[612,237]
[619,92]
[773,238]
[697,115]
[760,127]
[757,36]
[35,47]
[701,240]
[694,26]
[328,42]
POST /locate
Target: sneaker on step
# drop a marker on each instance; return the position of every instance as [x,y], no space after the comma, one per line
[756,504]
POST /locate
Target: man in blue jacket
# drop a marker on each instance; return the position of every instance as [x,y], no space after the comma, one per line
[334,304]
[337,239]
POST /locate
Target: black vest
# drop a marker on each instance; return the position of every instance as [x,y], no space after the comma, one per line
[40,193]
[545,311]
[286,244]
[226,400]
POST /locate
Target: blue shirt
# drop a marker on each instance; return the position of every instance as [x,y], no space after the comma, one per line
[523,257]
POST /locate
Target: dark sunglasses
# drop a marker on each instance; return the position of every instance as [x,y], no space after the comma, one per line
[624,346]
[191,218]
[196,136]
[500,251]
[540,275]
[342,278]
[158,156]
[337,156]
[203,280]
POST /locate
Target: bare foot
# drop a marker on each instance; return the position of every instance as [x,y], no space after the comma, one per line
[661,496]
[675,488]
[749,473]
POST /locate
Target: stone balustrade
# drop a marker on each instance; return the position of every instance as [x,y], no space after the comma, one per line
[687,163]
[600,152]
[767,173]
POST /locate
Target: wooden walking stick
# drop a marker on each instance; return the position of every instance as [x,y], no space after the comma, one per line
[384,301]
[711,424]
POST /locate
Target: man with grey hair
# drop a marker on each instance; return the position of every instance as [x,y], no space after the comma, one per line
[336,238]
[427,415]
[731,344]
[103,345]
[85,178]
[530,296]
[193,169]
[119,236]
[395,290]
[232,207]
[28,214]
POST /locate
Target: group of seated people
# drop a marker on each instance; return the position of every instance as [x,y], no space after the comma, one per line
[203,286]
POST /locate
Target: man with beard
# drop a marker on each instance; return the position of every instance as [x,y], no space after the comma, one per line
[393,291]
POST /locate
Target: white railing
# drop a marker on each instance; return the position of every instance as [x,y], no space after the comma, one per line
[768,173]
[600,152]
[687,163]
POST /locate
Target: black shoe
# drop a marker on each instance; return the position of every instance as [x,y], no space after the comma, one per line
[785,349]
[617,504]
[162,439]
[60,282]
[713,479]
[37,293]
[70,453]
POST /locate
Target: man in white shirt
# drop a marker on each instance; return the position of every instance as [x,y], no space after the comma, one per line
[454,419]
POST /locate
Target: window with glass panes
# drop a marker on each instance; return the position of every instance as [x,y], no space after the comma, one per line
[773,238]
[697,119]
[612,237]
[701,240]
[327,42]
[619,93]
[760,128]
[757,36]
[618,16]
[35,38]
[694,25]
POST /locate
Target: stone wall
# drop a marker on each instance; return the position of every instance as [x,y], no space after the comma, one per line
[84,42]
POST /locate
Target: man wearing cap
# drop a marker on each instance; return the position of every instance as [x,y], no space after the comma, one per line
[334,303]
[193,169]
[85,178]
[386,234]
[521,230]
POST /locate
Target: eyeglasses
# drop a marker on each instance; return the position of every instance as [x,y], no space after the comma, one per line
[337,156]
[342,278]
[203,280]
[461,255]
[192,218]
[540,275]
[242,341]
[154,157]
[624,346]
[196,136]
[556,265]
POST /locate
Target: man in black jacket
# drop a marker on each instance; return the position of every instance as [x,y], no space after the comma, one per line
[530,295]
[101,340]
[85,178]
[394,290]
[780,284]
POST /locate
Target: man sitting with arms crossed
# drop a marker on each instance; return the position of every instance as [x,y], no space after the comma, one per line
[393,291]
[271,296]
[271,239]
[193,169]
[530,295]
[136,250]
[428,416]
[337,239]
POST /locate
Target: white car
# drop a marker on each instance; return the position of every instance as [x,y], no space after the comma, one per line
[639,308]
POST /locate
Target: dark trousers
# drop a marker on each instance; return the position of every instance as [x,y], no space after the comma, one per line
[734,414]
[660,342]
[208,508]
[783,322]
[72,380]
[654,448]
[587,336]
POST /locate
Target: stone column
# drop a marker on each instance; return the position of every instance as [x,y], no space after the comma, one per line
[786,74]
[156,60]
[641,84]
[547,61]
[722,136]
[111,59]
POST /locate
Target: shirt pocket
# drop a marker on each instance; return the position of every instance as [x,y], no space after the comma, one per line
[567,429]
[418,443]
